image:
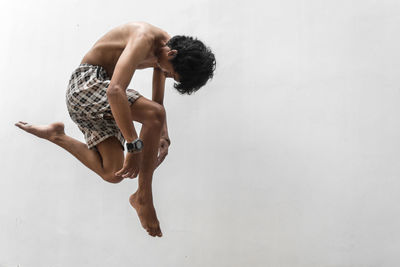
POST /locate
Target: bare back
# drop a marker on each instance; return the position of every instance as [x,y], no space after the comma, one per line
[107,50]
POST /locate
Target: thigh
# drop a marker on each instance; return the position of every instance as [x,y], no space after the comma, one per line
[112,155]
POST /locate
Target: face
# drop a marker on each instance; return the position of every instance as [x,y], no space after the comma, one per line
[165,64]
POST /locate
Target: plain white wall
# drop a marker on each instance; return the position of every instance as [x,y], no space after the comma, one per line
[288,157]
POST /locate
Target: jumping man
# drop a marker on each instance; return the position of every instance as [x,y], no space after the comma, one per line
[104,109]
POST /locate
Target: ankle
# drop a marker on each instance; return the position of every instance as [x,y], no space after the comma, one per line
[57,138]
[144,197]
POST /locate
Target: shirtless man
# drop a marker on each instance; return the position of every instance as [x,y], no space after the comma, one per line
[104,109]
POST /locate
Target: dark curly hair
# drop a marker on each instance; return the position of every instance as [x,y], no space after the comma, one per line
[195,63]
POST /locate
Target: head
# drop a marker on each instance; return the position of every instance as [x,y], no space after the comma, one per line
[189,62]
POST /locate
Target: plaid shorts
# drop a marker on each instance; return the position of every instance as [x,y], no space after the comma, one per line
[88,105]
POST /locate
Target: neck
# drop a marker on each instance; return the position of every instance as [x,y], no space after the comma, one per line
[160,50]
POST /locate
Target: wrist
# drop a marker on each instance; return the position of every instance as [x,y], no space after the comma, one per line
[130,139]
[135,146]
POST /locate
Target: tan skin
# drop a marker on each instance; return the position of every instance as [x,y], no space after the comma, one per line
[135,45]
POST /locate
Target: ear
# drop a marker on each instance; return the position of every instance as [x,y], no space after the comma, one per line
[172,54]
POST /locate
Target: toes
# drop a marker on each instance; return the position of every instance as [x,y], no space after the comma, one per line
[21,124]
[151,232]
[155,231]
[159,233]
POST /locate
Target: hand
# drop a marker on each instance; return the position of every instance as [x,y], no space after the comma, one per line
[131,165]
[163,151]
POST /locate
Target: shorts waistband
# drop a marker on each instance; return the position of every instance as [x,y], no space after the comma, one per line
[101,72]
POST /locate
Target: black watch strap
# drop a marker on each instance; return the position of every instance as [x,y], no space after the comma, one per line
[135,146]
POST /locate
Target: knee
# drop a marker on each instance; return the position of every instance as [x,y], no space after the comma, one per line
[111,178]
[156,115]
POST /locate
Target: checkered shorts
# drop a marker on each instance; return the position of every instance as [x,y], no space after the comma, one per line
[88,104]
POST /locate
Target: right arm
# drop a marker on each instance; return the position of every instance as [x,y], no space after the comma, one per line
[135,51]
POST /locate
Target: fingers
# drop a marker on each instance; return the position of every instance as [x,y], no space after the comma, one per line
[121,171]
[131,166]
[163,151]
[131,174]
[159,161]
[161,158]
[127,172]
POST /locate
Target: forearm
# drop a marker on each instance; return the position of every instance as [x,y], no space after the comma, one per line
[158,96]
[122,114]
[164,131]
[158,86]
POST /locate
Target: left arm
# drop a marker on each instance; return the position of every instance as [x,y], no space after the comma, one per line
[158,96]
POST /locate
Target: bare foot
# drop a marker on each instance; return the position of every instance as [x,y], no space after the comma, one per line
[147,215]
[49,132]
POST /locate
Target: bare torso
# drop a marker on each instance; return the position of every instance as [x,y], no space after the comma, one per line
[107,50]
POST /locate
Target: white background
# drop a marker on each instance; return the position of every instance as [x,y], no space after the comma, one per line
[288,157]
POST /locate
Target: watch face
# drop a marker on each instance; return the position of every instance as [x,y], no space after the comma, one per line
[139,144]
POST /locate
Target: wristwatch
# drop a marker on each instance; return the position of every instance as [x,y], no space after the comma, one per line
[135,146]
